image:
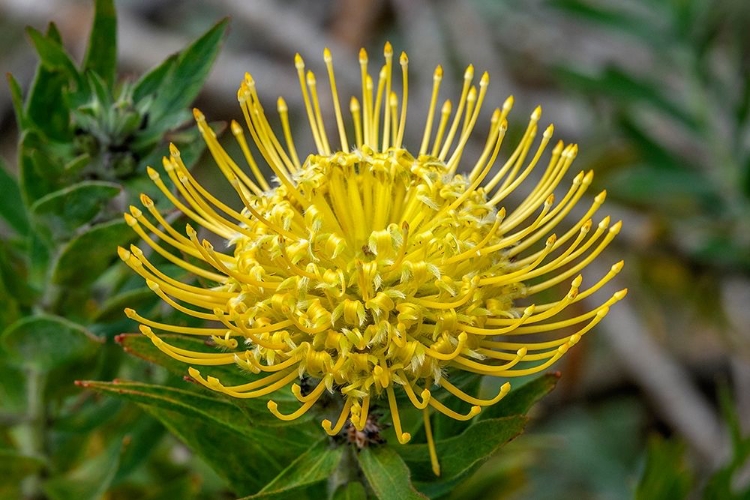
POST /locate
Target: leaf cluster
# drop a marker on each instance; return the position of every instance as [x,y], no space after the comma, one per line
[266,458]
[84,140]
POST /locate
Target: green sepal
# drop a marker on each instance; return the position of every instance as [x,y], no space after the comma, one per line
[46,342]
[65,210]
[90,253]
[101,54]
[312,467]
[387,474]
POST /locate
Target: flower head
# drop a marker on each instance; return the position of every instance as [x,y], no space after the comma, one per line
[371,269]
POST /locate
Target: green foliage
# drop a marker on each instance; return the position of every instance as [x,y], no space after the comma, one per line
[48,342]
[350,491]
[64,211]
[84,258]
[387,473]
[677,146]
[308,461]
[246,455]
[84,140]
[11,205]
[90,480]
[81,125]
[666,475]
[101,54]
[312,467]
[15,467]
[722,484]
[521,399]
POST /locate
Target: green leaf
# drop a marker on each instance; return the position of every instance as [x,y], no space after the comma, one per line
[150,82]
[46,107]
[16,295]
[54,34]
[219,412]
[622,21]
[88,255]
[11,203]
[47,342]
[255,409]
[64,211]
[86,417]
[101,54]
[666,474]
[387,473]
[12,387]
[350,491]
[39,256]
[521,399]
[53,55]
[654,153]
[16,94]
[15,467]
[722,485]
[313,466]
[187,485]
[112,309]
[90,481]
[459,455]
[181,85]
[143,437]
[620,87]
[444,426]
[247,456]
[679,193]
[141,346]
[37,171]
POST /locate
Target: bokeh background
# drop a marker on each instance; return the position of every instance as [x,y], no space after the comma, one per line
[656,94]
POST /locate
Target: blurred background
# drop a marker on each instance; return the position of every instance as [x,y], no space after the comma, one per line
[656,94]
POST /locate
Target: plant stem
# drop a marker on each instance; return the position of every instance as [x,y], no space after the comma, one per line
[36,422]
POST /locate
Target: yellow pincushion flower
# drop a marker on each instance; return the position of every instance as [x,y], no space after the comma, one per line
[370,269]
